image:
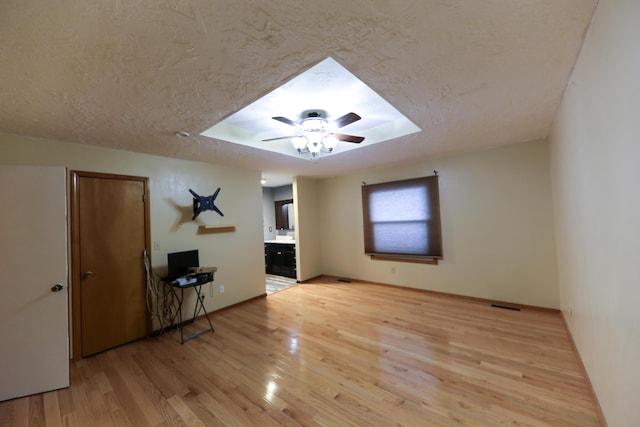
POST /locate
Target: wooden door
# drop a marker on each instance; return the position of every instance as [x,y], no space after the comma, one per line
[110,236]
[34,328]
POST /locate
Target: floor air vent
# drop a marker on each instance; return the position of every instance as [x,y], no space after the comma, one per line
[344,280]
[506,307]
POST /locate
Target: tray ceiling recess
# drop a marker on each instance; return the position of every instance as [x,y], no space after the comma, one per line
[326,87]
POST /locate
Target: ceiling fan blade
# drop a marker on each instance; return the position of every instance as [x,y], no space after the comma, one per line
[280,137]
[285,121]
[347,119]
[349,138]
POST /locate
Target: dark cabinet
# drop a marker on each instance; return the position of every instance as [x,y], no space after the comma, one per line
[280,259]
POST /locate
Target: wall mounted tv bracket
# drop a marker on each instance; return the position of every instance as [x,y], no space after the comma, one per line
[202,203]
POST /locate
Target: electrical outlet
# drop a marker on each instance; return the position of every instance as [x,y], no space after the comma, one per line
[156,246]
[569,310]
[393,269]
[168,312]
[221,289]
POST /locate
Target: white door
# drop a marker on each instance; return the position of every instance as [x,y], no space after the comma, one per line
[34,347]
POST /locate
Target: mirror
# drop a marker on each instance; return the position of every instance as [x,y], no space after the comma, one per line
[284,215]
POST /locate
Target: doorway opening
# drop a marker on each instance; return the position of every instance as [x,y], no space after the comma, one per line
[275,283]
[279,238]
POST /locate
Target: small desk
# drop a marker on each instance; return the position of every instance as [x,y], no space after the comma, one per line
[197,286]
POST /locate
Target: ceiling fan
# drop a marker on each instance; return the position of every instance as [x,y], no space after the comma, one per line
[316,133]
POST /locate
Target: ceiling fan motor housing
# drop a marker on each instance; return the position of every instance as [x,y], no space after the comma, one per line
[309,114]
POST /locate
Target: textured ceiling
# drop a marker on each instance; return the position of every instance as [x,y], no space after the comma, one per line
[129,75]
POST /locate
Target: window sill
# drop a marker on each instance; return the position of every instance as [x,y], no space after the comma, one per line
[404,258]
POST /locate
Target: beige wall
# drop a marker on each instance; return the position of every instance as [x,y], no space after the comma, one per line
[268,214]
[308,233]
[596,186]
[497,227]
[238,255]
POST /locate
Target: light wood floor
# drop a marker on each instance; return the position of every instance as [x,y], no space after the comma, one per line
[333,354]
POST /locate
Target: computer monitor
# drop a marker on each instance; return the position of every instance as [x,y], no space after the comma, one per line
[179,262]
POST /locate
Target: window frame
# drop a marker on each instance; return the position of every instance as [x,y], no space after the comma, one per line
[433,253]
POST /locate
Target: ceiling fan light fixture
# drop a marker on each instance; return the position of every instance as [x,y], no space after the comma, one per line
[330,142]
[315,137]
[313,124]
[314,147]
[315,134]
[299,143]
[314,130]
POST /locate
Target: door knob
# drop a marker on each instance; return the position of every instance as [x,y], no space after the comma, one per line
[87,274]
[57,287]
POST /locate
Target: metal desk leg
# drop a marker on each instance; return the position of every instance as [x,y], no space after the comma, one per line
[199,306]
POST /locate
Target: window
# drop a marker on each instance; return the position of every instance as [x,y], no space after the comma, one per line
[402,220]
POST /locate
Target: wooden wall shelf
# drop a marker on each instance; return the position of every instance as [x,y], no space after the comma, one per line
[210,229]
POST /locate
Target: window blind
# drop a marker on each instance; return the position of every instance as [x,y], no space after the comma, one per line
[402,218]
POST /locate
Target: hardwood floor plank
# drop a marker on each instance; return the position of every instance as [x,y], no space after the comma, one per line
[187,416]
[329,353]
[20,416]
[51,410]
